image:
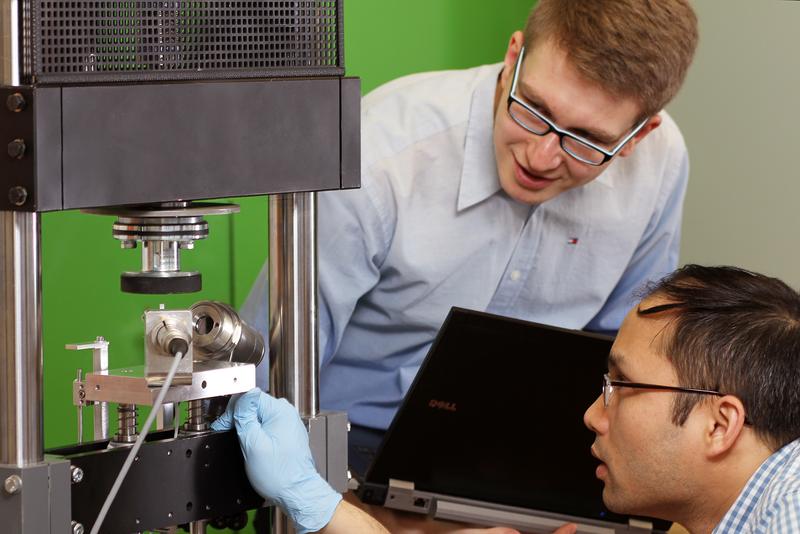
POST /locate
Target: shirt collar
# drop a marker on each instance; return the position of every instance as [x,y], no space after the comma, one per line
[479,179]
[745,504]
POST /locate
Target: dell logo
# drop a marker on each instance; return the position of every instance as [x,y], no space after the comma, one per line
[442,405]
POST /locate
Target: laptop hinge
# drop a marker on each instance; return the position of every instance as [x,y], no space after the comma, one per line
[401,484]
[401,495]
[640,524]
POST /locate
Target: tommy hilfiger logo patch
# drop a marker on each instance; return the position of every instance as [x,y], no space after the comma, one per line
[572,241]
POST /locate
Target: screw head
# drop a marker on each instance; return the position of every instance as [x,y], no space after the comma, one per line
[76,473]
[13,484]
[16,148]
[77,528]
[18,195]
[15,102]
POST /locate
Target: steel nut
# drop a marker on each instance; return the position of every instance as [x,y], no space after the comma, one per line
[13,484]
[16,149]
[15,102]
[76,473]
[18,195]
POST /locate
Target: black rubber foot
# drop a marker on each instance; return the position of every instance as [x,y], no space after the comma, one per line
[148,284]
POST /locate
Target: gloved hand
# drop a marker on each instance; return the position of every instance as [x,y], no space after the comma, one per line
[278,460]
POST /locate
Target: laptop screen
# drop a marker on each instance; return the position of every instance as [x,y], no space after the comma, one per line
[496,415]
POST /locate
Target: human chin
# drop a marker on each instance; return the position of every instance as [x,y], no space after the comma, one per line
[528,190]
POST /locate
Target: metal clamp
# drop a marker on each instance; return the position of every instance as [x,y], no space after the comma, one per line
[99,348]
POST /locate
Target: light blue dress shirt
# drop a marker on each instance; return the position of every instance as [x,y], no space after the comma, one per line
[431,228]
[770,501]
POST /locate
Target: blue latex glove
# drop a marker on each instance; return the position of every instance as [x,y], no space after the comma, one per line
[278,460]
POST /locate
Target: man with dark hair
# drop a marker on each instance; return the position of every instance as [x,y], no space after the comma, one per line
[546,187]
[700,414]
[698,421]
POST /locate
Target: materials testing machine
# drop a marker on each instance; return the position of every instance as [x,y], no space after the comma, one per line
[218,99]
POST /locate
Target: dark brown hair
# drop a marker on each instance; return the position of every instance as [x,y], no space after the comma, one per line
[736,332]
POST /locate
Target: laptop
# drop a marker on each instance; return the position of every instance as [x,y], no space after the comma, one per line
[491,431]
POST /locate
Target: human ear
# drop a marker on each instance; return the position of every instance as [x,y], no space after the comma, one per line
[512,53]
[725,424]
[652,123]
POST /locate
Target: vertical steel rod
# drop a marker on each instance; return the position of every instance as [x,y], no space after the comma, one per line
[10,39]
[293,344]
[21,432]
[293,333]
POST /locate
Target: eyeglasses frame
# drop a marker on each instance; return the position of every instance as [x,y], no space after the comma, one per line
[608,391]
[552,127]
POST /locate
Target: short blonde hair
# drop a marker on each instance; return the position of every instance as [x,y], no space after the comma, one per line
[632,48]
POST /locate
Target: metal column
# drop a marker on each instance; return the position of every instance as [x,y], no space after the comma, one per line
[293,343]
[21,434]
[293,300]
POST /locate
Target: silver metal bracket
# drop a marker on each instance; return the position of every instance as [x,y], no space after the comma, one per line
[99,348]
[130,385]
[163,327]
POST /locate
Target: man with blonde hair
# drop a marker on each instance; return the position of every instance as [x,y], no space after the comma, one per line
[545,188]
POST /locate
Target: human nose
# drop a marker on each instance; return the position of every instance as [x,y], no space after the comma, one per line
[595,417]
[544,152]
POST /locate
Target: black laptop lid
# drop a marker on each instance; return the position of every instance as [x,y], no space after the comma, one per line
[496,414]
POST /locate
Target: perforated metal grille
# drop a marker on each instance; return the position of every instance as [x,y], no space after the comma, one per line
[123,40]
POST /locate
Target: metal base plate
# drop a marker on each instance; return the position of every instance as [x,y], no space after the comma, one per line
[130,386]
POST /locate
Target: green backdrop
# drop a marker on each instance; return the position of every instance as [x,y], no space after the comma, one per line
[81,262]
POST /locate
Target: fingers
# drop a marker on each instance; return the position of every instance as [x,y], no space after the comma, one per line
[569,528]
[245,414]
[225,421]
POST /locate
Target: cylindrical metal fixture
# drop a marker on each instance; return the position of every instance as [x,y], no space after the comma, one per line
[197,420]
[21,434]
[293,343]
[197,527]
[126,431]
[160,256]
[220,334]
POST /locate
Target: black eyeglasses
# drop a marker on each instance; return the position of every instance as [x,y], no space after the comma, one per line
[609,385]
[576,146]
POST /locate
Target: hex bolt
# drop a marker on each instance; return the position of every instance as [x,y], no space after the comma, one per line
[17,195]
[13,484]
[77,528]
[16,148]
[15,102]
[76,473]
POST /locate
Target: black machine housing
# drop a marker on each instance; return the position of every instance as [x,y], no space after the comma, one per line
[135,102]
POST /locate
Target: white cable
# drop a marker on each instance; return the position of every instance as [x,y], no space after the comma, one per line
[176,419]
[136,446]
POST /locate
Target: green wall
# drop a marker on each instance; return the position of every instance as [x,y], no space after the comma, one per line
[81,262]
